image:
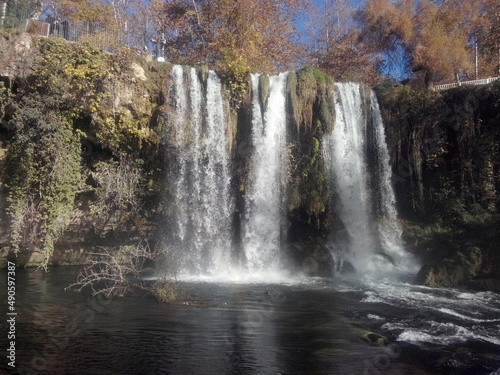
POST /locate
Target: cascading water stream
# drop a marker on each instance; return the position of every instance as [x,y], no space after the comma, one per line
[365,206]
[388,226]
[200,177]
[261,240]
[345,159]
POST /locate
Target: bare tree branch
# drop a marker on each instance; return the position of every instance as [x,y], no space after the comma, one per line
[106,275]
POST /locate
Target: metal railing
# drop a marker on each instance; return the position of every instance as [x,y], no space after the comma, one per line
[475,82]
[92,32]
[88,32]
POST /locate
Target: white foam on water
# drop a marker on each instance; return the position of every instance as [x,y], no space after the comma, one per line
[471,314]
[235,276]
[426,298]
[416,336]
[435,333]
[372,298]
[464,317]
[374,317]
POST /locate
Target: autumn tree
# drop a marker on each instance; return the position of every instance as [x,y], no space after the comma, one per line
[435,35]
[336,45]
[139,19]
[90,11]
[13,13]
[487,34]
[235,36]
[133,20]
[110,23]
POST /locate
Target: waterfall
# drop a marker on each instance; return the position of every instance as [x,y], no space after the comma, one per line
[199,175]
[262,226]
[388,227]
[366,202]
[201,202]
[345,158]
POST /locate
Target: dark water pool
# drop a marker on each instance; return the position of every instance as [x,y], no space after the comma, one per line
[308,327]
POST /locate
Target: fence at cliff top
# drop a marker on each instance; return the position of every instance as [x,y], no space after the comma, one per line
[91,32]
[475,82]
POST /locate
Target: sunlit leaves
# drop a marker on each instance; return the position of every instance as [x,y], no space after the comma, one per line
[95,11]
[236,37]
[436,36]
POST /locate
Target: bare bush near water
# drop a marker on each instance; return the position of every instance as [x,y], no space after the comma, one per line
[111,275]
[119,186]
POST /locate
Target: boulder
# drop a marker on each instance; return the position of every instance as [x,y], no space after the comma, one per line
[18,55]
[373,338]
[311,259]
[457,270]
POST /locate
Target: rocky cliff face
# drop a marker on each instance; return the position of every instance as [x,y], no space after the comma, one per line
[117,108]
[114,202]
[444,150]
[446,161]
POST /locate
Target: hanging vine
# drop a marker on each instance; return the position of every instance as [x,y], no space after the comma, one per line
[43,175]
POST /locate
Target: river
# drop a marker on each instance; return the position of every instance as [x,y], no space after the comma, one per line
[297,326]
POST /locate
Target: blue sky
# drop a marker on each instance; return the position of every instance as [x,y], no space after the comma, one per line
[302,20]
[396,70]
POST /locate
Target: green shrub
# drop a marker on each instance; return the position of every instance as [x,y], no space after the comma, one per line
[43,174]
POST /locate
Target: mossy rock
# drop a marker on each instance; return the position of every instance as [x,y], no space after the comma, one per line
[306,89]
[264,85]
[327,114]
[373,339]
[202,72]
[310,258]
[319,76]
[457,270]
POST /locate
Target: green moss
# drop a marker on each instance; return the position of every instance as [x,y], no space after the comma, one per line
[327,113]
[321,77]
[294,199]
[306,93]
[43,174]
[315,145]
[308,193]
[318,75]
[372,338]
[306,81]
[233,114]
[315,203]
[309,88]
[312,109]
[165,291]
[291,83]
